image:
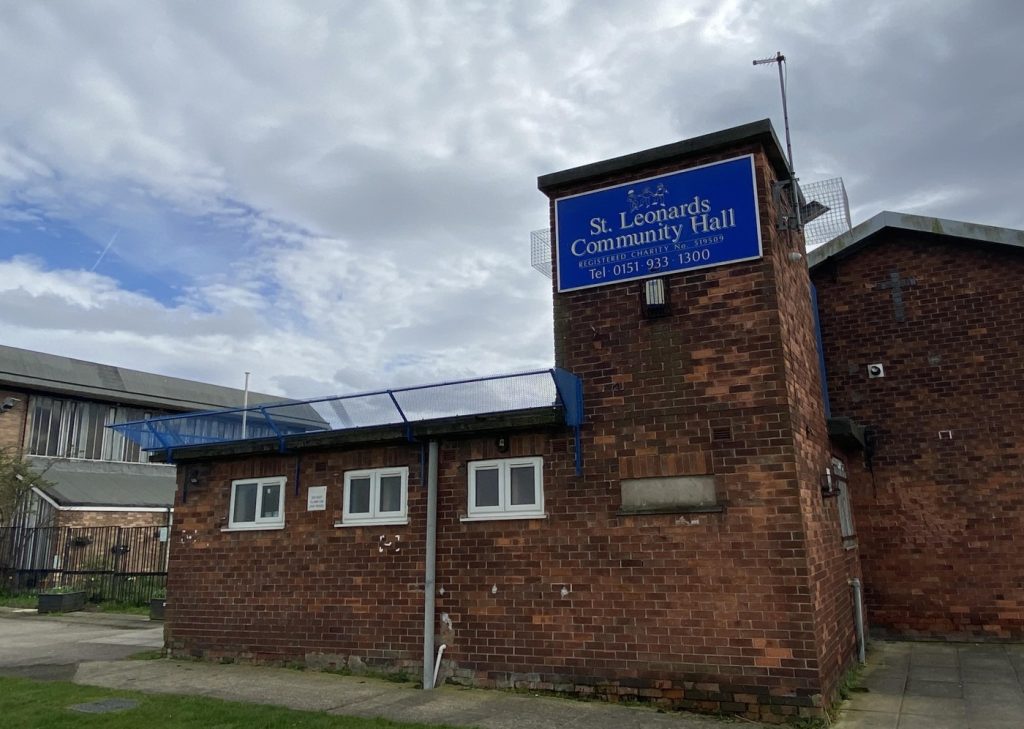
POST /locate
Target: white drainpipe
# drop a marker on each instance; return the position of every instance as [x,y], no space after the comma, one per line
[437,663]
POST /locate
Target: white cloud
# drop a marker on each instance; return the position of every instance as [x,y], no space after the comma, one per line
[338,196]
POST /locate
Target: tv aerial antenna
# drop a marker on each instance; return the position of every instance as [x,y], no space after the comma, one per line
[783,72]
[802,212]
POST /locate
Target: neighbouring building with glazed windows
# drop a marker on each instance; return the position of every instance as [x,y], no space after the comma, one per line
[55,412]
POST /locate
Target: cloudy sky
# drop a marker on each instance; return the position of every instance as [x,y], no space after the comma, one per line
[338,196]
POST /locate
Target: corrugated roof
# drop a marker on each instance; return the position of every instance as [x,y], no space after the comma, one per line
[51,373]
[860,235]
[105,483]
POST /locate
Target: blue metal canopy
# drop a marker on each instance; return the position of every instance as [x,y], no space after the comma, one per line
[553,388]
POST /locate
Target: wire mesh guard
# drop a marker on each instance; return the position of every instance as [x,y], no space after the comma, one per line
[554,388]
[540,250]
[836,219]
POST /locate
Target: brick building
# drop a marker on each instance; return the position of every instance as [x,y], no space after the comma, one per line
[673,544]
[54,411]
[922,321]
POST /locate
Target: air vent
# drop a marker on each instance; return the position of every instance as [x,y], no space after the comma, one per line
[720,434]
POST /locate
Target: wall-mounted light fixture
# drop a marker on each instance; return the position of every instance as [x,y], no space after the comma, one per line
[655,298]
[828,486]
[8,404]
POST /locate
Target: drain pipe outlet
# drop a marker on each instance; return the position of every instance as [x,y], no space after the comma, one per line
[437,663]
[858,618]
[430,576]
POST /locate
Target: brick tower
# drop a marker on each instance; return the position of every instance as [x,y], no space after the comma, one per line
[682,300]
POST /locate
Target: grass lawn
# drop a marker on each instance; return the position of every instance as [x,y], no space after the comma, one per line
[18,601]
[30,601]
[119,607]
[25,704]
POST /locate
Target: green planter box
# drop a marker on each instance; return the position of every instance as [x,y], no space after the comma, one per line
[61,602]
[156,608]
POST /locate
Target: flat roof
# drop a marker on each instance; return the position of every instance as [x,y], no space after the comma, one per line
[758,131]
[860,235]
[63,375]
[84,483]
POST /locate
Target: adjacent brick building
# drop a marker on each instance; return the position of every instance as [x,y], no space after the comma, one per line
[54,412]
[676,548]
[922,321]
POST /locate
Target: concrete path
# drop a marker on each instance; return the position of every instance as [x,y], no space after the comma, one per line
[89,648]
[904,686]
[939,686]
[367,697]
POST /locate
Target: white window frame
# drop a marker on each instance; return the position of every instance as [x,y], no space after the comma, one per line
[276,522]
[375,516]
[840,481]
[505,509]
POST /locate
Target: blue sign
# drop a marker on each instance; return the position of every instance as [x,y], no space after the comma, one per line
[696,218]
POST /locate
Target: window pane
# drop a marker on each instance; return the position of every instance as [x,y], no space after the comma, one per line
[270,506]
[245,502]
[390,493]
[53,445]
[523,485]
[41,426]
[359,496]
[487,487]
[90,440]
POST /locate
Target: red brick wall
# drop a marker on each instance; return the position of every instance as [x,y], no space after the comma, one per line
[12,422]
[67,518]
[939,523]
[740,610]
[830,565]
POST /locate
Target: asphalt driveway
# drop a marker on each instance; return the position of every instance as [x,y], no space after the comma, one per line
[52,647]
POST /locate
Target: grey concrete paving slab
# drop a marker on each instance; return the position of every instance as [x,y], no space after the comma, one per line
[367,697]
[986,661]
[994,693]
[890,654]
[885,701]
[935,673]
[931,654]
[988,722]
[910,721]
[946,689]
[884,684]
[941,706]
[868,720]
[281,687]
[939,686]
[1007,676]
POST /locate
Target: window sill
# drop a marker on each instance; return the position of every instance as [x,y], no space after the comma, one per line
[709,509]
[502,517]
[371,522]
[849,543]
[254,528]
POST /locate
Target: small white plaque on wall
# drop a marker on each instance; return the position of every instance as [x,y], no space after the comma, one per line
[316,498]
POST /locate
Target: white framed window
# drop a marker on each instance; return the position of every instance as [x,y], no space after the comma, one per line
[839,482]
[506,488]
[257,503]
[376,496]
